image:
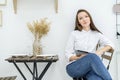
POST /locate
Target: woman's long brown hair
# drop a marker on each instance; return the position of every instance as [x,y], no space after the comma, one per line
[78,26]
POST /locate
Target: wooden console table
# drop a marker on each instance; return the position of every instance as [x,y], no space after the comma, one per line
[32,59]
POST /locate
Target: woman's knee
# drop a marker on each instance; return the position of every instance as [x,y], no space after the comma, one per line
[92,55]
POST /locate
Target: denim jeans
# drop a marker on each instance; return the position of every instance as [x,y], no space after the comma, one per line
[92,76]
[90,66]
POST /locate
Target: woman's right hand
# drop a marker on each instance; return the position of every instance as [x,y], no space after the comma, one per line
[76,57]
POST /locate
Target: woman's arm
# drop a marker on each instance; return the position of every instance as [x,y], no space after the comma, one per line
[69,49]
[104,49]
[105,44]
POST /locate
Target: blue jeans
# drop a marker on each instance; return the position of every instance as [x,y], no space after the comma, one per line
[90,66]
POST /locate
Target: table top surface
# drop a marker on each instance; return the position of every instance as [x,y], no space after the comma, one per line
[27,58]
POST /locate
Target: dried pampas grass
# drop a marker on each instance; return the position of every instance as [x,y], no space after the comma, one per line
[39,28]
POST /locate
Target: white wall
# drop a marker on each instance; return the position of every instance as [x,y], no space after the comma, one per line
[15,38]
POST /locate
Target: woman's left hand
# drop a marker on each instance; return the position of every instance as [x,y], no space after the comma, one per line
[99,52]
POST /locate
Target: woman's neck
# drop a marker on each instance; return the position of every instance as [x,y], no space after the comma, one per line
[86,28]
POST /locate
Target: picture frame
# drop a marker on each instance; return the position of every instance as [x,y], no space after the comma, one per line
[0,18]
[3,2]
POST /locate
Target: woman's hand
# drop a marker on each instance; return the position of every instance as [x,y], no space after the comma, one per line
[99,52]
[76,57]
[104,49]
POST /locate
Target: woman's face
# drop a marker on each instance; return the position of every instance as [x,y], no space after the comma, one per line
[84,19]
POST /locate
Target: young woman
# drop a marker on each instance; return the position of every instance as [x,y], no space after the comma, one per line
[85,38]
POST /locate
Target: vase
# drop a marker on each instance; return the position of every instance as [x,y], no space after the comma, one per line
[37,49]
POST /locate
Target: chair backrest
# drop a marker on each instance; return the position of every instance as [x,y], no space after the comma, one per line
[108,56]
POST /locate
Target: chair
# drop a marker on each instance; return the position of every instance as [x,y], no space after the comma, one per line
[106,56]
[8,78]
[81,78]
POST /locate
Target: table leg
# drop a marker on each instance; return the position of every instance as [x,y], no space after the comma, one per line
[19,70]
[44,71]
[35,73]
[28,68]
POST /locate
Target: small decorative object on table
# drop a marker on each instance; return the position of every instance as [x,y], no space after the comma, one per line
[8,78]
[39,29]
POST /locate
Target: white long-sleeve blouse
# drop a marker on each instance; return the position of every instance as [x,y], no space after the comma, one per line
[85,41]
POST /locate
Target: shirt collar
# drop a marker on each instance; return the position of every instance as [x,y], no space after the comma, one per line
[86,31]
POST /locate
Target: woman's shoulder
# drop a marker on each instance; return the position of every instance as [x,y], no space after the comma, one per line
[96,32]
[75,32]
[99,34]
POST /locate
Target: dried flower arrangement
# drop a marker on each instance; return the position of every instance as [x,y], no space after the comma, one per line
[39,29]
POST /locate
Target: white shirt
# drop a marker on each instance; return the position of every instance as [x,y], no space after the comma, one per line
[85,41]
